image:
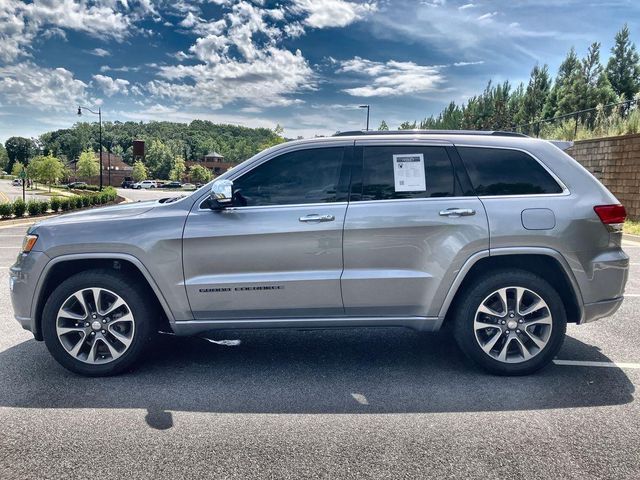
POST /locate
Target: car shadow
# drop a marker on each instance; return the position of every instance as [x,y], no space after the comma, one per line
[329,371]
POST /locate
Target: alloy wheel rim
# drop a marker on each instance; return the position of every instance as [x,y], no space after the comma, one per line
[95,325]
[513,324]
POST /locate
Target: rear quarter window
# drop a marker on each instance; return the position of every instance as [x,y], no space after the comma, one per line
[498,171]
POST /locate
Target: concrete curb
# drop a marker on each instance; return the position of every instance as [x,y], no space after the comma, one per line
[631,237]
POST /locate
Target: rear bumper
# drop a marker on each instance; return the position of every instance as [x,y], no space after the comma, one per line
[597,310]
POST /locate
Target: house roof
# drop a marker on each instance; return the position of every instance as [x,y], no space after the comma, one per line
[214,154]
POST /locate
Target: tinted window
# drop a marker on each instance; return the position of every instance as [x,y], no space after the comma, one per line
[305,176]
[496,171]
[381,178]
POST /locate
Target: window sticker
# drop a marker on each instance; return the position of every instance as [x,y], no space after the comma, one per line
[408,172]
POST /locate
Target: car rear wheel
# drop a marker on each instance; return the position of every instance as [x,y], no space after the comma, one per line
[97,323]
[510,323]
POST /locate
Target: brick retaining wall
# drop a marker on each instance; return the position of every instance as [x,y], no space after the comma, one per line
[615,161]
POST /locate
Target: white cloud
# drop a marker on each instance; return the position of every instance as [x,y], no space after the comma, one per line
[22,23]
[466,6]
[332,13]
[100,52]
[240,59]
[39,87]
[465,64]
[111,86]
[391,78]
[487,16]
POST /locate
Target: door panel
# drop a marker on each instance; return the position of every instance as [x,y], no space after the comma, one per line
[402,254]
[278,252]
[264,262]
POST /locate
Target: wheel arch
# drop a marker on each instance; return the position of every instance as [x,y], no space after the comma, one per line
[544,262]
[61,268]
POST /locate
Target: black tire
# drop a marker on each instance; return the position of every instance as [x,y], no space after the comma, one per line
[478,291]
[142,310]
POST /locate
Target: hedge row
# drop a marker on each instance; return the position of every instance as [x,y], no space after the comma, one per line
[56,204]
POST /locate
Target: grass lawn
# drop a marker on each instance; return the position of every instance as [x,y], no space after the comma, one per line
[632,227]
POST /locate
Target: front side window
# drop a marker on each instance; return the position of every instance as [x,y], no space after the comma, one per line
[496,171]
[399,172]
[304,176]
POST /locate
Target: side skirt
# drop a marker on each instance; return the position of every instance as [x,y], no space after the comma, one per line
[195,327]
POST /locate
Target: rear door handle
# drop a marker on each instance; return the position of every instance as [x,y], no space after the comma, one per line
[457,212]
[315,218]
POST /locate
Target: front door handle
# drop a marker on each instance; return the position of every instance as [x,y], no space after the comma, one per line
[315,218]
[457,212]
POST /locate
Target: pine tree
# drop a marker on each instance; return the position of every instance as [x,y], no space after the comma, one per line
[623,68]
[535,96]
[383,126]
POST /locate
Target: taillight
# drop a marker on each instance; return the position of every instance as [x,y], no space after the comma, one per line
[613,216]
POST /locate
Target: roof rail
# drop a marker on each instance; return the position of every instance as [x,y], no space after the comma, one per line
[496,133]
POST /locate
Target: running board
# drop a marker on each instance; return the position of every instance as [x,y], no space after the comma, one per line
[194,327]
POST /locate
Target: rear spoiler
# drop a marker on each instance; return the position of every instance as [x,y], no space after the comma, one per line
[562,144]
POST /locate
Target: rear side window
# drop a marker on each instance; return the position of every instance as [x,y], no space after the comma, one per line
[304,176]
[496,171]
[429,173]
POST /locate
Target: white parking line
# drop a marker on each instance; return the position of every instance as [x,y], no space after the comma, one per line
[361,399]
[585,363]
[632,295]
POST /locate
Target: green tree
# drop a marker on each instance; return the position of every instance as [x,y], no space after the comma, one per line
[19,149]
[159,159]
[383,126]
[88,165]
[4,158]
[535,95]
[46,169]
[178,169]
[408,126]
[623,67]
[199,174]
[560,99]
[139,171]
[17,169]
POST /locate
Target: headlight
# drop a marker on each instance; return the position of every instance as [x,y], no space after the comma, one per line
[28,243]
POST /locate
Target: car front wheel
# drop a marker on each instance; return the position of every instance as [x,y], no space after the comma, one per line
[510,323]
[97,323]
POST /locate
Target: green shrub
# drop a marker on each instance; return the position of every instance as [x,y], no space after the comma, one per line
[33,207]
[64,204]
[77,201]
[86,200]
[44,206]
[55,204]
[6,210]
[19,207]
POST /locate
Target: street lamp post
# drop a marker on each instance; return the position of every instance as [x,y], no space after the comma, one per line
[99,113]
[367,107]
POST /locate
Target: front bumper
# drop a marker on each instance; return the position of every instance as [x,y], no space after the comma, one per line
[23,278]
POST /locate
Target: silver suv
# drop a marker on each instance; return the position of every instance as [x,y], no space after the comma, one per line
[503,238]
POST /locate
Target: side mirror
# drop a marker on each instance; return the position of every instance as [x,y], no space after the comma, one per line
[221,195]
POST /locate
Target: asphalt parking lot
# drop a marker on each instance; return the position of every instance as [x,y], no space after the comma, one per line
[330,404]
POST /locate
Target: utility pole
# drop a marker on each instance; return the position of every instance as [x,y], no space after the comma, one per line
[367,107]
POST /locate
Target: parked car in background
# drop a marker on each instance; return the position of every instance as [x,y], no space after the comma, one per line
[127,183]
[77,185]
[172,185]
[16,182]
[145,184]
[503,238]
[188,186]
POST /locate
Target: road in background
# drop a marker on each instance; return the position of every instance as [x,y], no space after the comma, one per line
[333,404]
[9,193]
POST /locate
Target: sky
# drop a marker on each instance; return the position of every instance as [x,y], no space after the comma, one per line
[303,64]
